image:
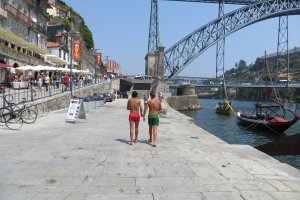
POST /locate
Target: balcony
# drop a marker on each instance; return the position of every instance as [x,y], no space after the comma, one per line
[12,10]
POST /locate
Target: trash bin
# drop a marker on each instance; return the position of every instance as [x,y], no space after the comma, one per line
[91,103]
[86,102]
[97,100]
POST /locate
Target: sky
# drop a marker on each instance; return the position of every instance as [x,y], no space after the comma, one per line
[121,27]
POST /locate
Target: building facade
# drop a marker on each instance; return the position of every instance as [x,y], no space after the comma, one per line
[23,33]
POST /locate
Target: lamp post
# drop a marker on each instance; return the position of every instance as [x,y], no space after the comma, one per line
[96,65]
[71,34]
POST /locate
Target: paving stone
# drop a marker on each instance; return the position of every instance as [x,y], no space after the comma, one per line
[222,196]
[285,195]
[178,196]
[256,195]
[93,160]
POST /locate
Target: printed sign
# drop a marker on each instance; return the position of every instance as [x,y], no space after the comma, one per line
[76,54]
[99,59]
[75,111]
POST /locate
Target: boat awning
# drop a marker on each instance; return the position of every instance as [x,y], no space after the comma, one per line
[55,59]
[13,38]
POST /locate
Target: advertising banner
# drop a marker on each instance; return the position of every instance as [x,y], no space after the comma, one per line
[108,69]
[98,58]
[76,45]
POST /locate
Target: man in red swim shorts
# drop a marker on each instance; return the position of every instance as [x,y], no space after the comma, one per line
[135,107]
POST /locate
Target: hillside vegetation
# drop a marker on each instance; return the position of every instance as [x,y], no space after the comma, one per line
[74,23]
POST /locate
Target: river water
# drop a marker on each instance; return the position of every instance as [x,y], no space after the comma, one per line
[225,127]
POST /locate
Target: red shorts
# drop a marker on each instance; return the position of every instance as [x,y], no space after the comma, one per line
[134,117]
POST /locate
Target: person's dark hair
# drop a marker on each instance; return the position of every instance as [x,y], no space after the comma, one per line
[134,94]
[152,94]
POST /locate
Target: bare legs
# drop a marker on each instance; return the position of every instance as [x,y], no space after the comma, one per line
[136,132]
[153,132]
[131,132]
[134,127]
[154,135]
[150,134]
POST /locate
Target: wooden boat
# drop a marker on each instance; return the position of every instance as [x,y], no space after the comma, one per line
[223,108]
[270,117]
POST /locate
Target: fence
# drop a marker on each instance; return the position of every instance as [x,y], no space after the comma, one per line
[34,93]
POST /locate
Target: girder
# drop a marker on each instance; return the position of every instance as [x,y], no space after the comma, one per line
[239,2]
[186,50]
[283,46]
[153,40]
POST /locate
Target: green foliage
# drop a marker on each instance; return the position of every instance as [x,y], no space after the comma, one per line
[87,36]
[77,19]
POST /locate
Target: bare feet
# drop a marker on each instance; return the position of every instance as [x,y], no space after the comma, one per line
[135,141]
[154,145]
[149,141]
[130,143]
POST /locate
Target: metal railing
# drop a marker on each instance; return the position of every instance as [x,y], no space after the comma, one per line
[38,92]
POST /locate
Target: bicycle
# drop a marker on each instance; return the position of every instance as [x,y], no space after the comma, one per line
[10,115]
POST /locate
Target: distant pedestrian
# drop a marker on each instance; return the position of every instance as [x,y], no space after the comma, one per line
[57,80]
[135,107]
[47,82]
[66,81]
[32,83]
[154,106]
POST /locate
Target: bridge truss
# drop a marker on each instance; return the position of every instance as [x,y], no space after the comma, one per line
[185,51]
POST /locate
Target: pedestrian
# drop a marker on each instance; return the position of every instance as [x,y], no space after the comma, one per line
[40,82]
[154,106]
[32,83]
[135,107]
[66,81]
[57,80]
[47,82]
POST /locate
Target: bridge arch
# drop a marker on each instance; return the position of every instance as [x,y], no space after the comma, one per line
[190,47]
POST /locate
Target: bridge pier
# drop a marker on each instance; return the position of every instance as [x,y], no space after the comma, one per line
[155,63]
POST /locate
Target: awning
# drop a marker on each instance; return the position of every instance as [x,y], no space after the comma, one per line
[55,59]
[5,65]
[13,38]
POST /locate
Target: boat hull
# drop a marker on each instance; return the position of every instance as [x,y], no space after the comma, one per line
[253,123]
[225,111]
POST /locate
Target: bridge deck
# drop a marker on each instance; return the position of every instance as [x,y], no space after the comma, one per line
[85,161]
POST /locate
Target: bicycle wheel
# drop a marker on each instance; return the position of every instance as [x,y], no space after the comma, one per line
[8,98]
[9,112]
[28,116]
[42,110]
[12,119]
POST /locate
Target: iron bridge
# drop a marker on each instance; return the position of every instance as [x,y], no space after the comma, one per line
[180,55]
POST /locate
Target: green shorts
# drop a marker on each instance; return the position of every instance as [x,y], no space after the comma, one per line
[153,120]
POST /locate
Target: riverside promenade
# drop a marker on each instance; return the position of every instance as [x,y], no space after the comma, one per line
[92,160]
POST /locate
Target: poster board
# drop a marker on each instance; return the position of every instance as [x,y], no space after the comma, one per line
[76,110]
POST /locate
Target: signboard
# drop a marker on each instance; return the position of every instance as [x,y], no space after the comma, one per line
[76,45]
[108,66]
[98,58]
[75,111]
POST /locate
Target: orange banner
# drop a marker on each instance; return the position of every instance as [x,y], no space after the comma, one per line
[76,45]
[99,58]
[108,69]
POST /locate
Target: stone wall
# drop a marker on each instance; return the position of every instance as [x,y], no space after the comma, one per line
[186,102]
[62,101]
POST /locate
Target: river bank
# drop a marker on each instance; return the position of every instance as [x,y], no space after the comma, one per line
[225,127]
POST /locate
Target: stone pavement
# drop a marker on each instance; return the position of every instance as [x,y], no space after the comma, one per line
[92,160]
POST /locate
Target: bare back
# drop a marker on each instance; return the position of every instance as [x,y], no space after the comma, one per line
[134,105]
[154,106]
